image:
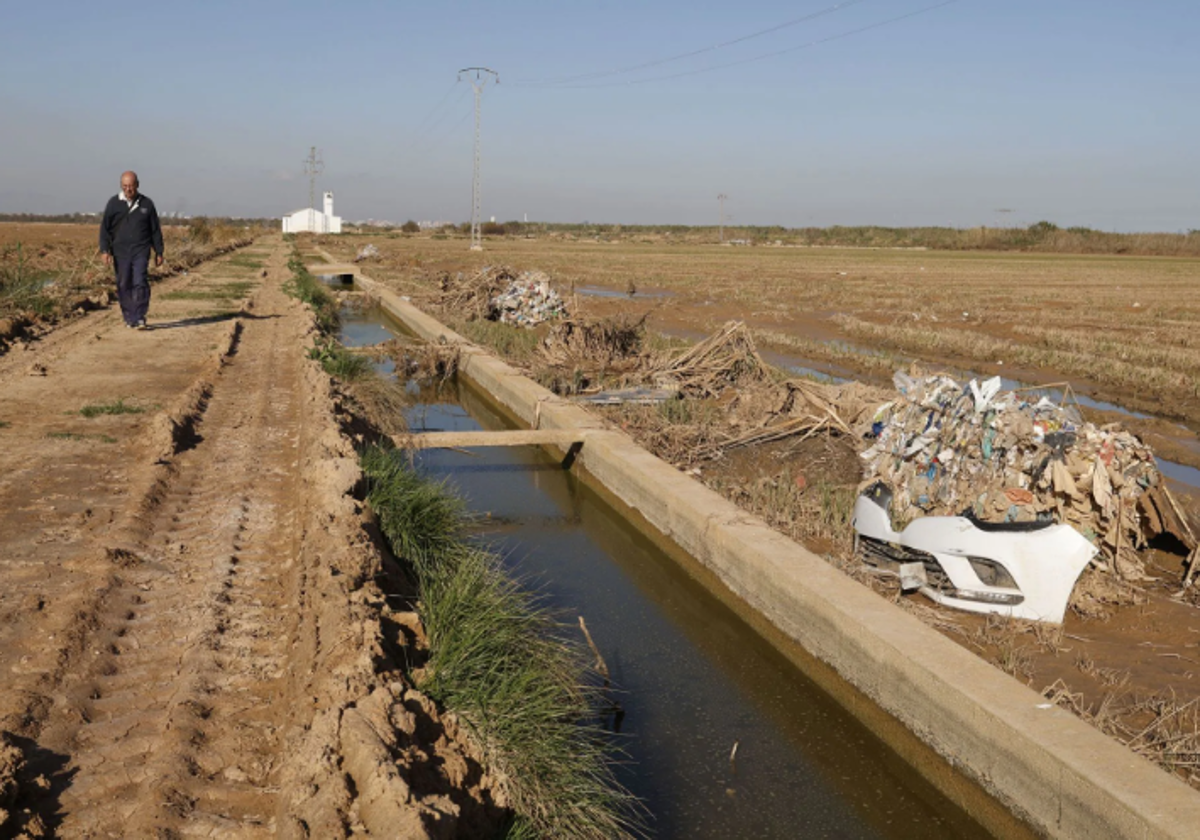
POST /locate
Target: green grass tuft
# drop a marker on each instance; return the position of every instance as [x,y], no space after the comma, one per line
[118,407]
[312,291]
[340,362]
[502,663]
[22,285]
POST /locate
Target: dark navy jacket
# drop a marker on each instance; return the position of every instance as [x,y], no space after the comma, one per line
[124,234]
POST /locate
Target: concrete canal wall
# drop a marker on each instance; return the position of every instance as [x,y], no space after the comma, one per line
[1054,771]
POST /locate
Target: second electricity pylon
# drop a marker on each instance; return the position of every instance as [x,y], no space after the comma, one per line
[478,83]
[721,219]
[313,166]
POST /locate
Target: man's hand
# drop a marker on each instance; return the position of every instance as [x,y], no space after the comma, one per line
[107,259]
[158,260]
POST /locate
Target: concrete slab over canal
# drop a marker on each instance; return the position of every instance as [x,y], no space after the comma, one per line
[1056,772]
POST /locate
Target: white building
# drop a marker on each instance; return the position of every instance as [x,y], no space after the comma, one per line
[309,220]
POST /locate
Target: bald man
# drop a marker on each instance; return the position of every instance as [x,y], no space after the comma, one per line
[129,230]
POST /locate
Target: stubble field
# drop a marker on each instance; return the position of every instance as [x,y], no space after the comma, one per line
[1121,330]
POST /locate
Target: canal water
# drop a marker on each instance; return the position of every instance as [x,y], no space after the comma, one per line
[694,680]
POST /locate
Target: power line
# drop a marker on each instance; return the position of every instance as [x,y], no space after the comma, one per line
[447,134]
[434,109]
[658,62]
[423,145]
[774,54]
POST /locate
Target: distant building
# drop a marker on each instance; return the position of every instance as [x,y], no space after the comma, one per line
[309,220]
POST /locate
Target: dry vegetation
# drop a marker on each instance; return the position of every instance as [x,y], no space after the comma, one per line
[49,271]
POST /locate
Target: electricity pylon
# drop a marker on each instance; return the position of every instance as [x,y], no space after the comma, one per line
[721,219]
[478,83]
[313,166]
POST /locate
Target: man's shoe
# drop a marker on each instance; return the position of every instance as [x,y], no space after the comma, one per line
[141,325]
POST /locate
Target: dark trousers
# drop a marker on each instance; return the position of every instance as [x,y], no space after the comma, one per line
[133,289]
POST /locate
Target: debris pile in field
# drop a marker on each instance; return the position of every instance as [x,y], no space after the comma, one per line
[610,345]
[470,295]
[367,252]
[945,448]
[527,301]
[725,358]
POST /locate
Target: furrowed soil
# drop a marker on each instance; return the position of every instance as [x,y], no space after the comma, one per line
[1122,329]
[192,641]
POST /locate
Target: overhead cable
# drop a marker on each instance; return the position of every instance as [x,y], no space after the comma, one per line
[442,101]
[763,56]
[691,54]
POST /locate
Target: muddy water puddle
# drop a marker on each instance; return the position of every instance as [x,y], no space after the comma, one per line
[694,679]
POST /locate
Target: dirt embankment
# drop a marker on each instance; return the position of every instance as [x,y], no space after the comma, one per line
[193,631]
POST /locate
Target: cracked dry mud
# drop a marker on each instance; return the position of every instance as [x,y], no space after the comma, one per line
[192,642]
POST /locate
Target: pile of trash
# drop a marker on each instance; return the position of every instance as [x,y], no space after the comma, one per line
[469,296]
[527,301]
[366,252]
[945,448]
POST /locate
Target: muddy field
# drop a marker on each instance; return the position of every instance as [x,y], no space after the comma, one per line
[192,635]
[1119,329]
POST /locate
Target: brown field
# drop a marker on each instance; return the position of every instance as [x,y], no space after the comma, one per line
[1121,329]
[1124,330]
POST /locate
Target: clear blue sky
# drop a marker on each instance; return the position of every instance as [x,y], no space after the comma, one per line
[1082,112]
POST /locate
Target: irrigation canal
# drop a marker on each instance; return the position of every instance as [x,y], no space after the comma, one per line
[694,678]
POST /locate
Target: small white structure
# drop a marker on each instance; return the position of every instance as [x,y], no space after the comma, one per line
[309,220]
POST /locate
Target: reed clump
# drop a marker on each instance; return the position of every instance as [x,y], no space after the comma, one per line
[304,286]
[501,662]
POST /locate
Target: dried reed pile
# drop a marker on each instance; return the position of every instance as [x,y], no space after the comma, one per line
[806,408]
[610,345]
[469,296]
[724,359]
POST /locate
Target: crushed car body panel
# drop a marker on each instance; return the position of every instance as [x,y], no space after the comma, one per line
[1023,570]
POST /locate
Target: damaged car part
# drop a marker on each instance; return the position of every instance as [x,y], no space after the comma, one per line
[1018,569]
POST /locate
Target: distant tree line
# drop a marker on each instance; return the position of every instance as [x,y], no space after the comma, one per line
[1042,236]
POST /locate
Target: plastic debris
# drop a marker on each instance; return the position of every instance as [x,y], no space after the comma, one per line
[528,301]
[1004,457]
[366,252]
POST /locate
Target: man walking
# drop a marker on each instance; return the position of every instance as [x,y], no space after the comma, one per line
[129,230]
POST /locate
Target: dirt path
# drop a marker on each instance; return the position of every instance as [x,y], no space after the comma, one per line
[187,609]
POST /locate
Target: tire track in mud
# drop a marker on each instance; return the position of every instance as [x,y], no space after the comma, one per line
[216,657]
[176,722]
[59,627]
